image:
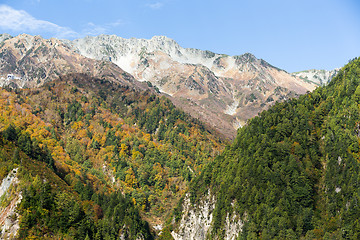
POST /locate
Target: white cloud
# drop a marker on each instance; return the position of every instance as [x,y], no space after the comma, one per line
[156,5]
[20,21]
[95,29]
[119,22]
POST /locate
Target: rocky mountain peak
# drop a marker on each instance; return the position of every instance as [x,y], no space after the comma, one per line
[163,40]
[4,37]
[248,57]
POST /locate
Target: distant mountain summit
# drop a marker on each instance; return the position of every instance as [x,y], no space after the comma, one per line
[221,90]
[319,77]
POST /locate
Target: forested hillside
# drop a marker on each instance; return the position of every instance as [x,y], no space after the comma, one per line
[50,208]
[117,151]
[293,171]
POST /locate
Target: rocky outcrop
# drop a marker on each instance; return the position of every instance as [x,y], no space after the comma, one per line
[4,37]
[196,221]
[8,217]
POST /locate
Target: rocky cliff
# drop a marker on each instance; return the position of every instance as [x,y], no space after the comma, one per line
[10,197]
[197,220]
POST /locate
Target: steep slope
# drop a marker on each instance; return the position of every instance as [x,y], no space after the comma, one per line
[105,137]
[30,61]
[319,77]
[221,90]
[36,203]
[291,173]
[54,197]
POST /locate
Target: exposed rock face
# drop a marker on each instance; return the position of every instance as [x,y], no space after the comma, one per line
[196,221]
[233,227]
[29,61]
[319,77]
[221,90]
[8,217]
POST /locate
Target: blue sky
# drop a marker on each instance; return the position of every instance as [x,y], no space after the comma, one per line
[293,35]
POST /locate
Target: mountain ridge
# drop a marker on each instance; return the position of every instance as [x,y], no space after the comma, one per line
[32,60]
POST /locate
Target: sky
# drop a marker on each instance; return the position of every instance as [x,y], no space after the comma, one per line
[293,35]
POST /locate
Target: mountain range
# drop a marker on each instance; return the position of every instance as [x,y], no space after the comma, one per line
[30,61]
[222,91]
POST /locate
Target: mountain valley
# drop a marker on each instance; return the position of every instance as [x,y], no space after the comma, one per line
[112,138]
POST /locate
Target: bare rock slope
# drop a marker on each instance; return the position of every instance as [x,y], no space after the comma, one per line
[29,61]
[319,77]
